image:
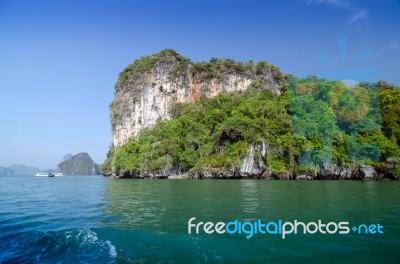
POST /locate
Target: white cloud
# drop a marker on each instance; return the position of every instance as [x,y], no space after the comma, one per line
[360,14]
[337,3]
[391,46]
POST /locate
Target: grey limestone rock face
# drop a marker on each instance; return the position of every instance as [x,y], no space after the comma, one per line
[142,99]
[368,172]
[179,177]
[346,173]
[304,177]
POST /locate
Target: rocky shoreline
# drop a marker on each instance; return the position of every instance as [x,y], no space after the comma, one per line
[361,172]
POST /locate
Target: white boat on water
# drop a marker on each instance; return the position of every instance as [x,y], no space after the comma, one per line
[46,174]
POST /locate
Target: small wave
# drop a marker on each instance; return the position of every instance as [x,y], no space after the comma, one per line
[113,249]
[70,246]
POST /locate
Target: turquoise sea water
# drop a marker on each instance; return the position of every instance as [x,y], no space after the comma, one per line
[93,219]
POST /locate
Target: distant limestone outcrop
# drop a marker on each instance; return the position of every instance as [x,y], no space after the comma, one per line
[79,164]
[6,171]
[24,170]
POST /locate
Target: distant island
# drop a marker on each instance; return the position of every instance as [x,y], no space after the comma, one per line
[172,118]
[24,170]
[79,164]
[18,170]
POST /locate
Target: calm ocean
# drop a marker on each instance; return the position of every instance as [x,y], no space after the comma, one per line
[93,219]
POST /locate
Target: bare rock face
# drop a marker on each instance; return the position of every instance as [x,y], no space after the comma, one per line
[304,177]
[147,89]
[251,165]
[368,172]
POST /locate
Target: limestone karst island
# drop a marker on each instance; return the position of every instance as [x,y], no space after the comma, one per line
[173,118]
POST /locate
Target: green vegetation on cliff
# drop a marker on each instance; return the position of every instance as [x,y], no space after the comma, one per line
[315,122]
[145,63]
[211,133]
[215,68]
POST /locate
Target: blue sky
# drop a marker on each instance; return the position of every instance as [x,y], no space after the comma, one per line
[59,60]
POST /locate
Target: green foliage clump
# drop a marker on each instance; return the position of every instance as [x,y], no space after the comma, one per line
[390,107]
[340,125]
[216,67]
[106,168]
[308,170]
[146,63]
[396,172]
[263,66]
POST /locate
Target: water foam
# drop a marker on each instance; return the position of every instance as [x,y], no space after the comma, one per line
[70,246]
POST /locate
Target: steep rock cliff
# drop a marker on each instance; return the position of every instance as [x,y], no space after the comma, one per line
[149,86]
